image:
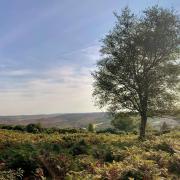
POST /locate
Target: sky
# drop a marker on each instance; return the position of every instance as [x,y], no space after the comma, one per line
[48,49]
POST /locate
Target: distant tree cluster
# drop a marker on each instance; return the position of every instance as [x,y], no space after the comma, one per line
[37,128]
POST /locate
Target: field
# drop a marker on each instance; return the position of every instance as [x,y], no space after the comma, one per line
[88,156]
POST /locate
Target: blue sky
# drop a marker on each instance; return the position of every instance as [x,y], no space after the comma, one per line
[48,49]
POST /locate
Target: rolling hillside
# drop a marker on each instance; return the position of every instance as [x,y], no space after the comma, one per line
[79,120]
[75,120]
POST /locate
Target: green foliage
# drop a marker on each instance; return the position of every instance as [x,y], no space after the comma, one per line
[104,153]
[22,156]
[80,147]
[19,128]
[37,128]
[91,127]
[33,128]
[124,122]
[83,156]
[139,70]
[11,174]
[164,128]
[9,127]
[164,146]
[109,130]
[176,113]
[57,166]
[174,164]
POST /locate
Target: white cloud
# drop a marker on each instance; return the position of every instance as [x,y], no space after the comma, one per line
[60,89]
[92,53]
[88,54]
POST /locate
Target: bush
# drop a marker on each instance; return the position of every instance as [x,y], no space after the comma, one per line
[91,127]
[79,148]
[9,127]
[108,130]
[34,128]
[19,128]
[71,131]
[165,146]
[56,166]
[164,128]
[111,131]
[124,122]
[11,174]
[174,165]
[133,173]
[103,153]
[21,156]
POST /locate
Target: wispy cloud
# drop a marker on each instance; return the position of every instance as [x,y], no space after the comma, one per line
[58,92]
[60,88]
[90,52]
[14,73]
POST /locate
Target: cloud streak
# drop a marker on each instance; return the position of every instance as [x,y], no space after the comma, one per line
[68,93]
[61,88]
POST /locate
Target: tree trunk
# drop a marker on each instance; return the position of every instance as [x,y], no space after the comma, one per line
[143,125]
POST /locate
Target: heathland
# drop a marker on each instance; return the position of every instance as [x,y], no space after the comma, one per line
[83,155]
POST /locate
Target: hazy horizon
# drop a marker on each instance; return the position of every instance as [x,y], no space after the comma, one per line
[47,114]
[49,48]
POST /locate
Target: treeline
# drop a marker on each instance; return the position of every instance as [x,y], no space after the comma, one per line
[37,128]
[120,125]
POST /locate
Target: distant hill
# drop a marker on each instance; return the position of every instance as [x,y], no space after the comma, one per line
[79,120]
[157,122]
[74,120]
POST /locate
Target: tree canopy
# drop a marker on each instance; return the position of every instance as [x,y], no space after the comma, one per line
[139,70]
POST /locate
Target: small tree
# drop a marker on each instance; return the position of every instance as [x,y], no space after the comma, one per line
[138,70]
[164,127]
[19,128]
[34,128]
[124,122]
[91,127]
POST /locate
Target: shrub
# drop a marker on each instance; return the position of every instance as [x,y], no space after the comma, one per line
[22,156]
[174,164]
[103,153]
[34,128]
[11,174]
[72,131]
[80,147]
[124,122]
[165,146]
[132,173]
[19,128]
[165,128]
[91,127]
[57,166]
[108,130]
[28,164]
[9,127]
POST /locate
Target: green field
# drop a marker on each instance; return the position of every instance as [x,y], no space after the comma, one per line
[88,156]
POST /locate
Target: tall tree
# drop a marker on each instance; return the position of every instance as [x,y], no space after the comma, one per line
[139,70]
